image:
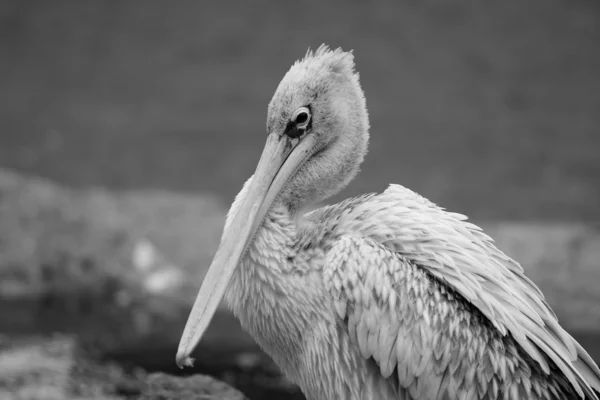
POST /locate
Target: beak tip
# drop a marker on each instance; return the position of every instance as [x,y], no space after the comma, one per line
[182,359]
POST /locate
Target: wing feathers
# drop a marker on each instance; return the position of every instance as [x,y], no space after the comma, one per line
[403,229]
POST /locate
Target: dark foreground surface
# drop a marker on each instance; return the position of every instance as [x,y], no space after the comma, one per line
[251,371]
[244,366]
[125,373]
[57,368]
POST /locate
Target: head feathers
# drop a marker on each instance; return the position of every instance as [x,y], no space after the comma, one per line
[312,78]
[337,61]
[326,83]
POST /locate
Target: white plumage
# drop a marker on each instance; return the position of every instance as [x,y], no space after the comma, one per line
[381,296]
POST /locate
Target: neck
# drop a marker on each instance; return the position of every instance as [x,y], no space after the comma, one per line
[274,257]
[278,296]
[272,287]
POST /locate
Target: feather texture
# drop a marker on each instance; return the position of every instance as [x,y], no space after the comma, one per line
[381,296]
[453,309]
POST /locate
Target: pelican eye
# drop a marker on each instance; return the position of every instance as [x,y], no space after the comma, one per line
[299,123]
[302,117]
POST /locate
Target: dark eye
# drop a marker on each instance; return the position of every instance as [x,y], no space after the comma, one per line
[302,117]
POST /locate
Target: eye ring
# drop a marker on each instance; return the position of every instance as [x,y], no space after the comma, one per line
[302,117]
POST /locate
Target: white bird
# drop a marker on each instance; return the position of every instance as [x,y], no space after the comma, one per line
[382,296]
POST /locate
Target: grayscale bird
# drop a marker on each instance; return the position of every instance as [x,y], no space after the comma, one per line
[382,296]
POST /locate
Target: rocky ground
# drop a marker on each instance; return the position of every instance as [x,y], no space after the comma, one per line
[56,368]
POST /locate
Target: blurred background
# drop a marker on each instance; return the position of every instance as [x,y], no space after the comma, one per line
[131,125]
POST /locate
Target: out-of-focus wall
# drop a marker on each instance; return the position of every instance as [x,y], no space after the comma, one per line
[491,110]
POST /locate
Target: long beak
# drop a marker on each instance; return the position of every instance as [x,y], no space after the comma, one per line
[280,159]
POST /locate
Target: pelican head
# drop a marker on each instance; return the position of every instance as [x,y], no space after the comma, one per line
[317,128]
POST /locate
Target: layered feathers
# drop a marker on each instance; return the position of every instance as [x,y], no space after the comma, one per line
[388,296]
[427,294]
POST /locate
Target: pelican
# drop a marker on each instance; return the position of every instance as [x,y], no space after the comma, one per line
[381,296]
